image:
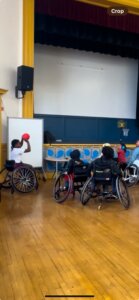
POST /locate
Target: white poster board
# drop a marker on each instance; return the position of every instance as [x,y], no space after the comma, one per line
[34,127]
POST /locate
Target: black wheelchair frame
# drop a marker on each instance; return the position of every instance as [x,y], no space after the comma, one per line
[21,178]
[131,175]
[91,187]
[94,187]
[67,184]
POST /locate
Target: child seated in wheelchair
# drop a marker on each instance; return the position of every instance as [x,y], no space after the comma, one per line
[105,170]
[17,150]
[75,165]
[121,152]
[76,168]
[16,154]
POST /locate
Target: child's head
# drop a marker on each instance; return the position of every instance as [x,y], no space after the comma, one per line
[123,147]
[15,144]
[75,154]
[137,143]
[106,145]
[108,152]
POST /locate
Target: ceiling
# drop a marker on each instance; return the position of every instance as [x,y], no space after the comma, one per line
[132,5]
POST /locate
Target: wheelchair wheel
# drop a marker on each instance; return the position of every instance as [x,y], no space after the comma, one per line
[122,191]
[131,175]
[24,179]
[87,191]
[62,188]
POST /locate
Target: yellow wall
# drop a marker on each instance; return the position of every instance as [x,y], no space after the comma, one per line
[3,154]
[28,52]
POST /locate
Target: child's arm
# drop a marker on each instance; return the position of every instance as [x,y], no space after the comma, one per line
[115,169]
[21,142]
[28,149]
[70,166]
[91,169]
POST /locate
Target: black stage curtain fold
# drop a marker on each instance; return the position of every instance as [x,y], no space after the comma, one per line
[86,13]
[72,34]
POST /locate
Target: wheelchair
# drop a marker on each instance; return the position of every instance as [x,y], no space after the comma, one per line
[67,184]
[94,187]
[131,175]
[21,178]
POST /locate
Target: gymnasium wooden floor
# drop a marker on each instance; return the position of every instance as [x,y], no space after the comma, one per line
[48,248]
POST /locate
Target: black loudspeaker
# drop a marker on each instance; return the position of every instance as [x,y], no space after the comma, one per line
[49,137]
[25,76]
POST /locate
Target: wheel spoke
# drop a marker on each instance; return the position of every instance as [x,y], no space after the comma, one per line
[122,192]
[87,191]
[24,179]
[62,188]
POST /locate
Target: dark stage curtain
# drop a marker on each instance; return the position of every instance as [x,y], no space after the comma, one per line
[72,34]
[85,13]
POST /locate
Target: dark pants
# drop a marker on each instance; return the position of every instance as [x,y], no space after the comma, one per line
[105,185]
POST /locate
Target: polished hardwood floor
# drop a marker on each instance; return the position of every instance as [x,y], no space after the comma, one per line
[48,248]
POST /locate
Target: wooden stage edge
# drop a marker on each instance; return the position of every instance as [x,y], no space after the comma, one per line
[130,146]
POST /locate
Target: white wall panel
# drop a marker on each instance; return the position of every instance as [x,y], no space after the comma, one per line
[72,82]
